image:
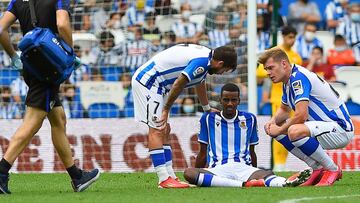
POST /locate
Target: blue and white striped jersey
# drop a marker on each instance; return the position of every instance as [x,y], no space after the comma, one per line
[334,11]
[228,140]
[218,38]
[350,30]
[324,101]
[304,48]
[185,29]
[164,68]
[261,11]
[263,41]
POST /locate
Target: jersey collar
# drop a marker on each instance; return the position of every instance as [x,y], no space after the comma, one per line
[231,119]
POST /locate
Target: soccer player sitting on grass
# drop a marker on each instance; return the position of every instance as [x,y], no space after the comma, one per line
[231,136]
[321,119]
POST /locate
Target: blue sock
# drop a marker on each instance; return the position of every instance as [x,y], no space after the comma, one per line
[204,179]
[274,181]
[158,159]
[168,160]
[208,180]
[312,148]
[167,152]
[285,141]
[307,145]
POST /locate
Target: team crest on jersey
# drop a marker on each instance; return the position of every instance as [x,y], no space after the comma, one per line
[242,124]
[297,87]
[217,124]
[198,71]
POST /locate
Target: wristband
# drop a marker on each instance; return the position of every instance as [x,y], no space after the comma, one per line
[206,107]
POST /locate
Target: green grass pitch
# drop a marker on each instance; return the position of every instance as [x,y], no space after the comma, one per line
[142,187]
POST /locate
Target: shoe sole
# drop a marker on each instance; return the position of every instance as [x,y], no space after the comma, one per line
[2,191]
[302,178]
[160,187]
[86,185]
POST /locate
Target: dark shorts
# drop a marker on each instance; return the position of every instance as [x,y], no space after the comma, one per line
[41,95]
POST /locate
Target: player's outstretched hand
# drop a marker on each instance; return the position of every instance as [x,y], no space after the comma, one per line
[161,123]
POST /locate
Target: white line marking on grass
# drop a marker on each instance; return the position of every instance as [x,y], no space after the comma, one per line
[316,198]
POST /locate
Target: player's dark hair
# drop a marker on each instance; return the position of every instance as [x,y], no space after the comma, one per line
[226,54]
[105,35]
[319,48]
[230,87]
[288,30]
[338,37]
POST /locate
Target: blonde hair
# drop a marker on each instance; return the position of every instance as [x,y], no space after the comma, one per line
[275,53]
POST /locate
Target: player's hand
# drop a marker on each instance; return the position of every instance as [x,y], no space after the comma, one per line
[161,123]
[267,126]
[16,62]
[273,130]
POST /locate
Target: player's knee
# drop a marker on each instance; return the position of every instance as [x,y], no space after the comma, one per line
[190,175]
[294,132]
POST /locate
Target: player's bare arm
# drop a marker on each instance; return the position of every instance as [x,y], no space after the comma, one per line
[64,26]
[201,93]
[201,157]
[253,156]
[5,22]
[301,115]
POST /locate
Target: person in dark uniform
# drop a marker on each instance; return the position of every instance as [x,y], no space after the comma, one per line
[42,99]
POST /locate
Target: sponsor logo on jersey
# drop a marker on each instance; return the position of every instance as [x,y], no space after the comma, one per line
[297,87]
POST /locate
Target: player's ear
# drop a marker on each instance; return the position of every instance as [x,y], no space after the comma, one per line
[220,63]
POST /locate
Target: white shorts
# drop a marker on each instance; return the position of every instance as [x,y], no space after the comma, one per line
[148,105]
[329,134]
[233,170]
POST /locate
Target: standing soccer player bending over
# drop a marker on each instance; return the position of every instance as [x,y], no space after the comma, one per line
[231,136]
[321,119]
[157,84]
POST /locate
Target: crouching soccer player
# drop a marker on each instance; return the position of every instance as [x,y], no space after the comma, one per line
[231,137]
[321,119]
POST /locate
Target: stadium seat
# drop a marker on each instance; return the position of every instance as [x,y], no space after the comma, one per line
[111,73]
[265,109]
[7,76]
[341,88]
[349,75]
[355,94]
[198,18]
[164,22]
[353,108]
[327,39]
[85,40]
[103,110]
